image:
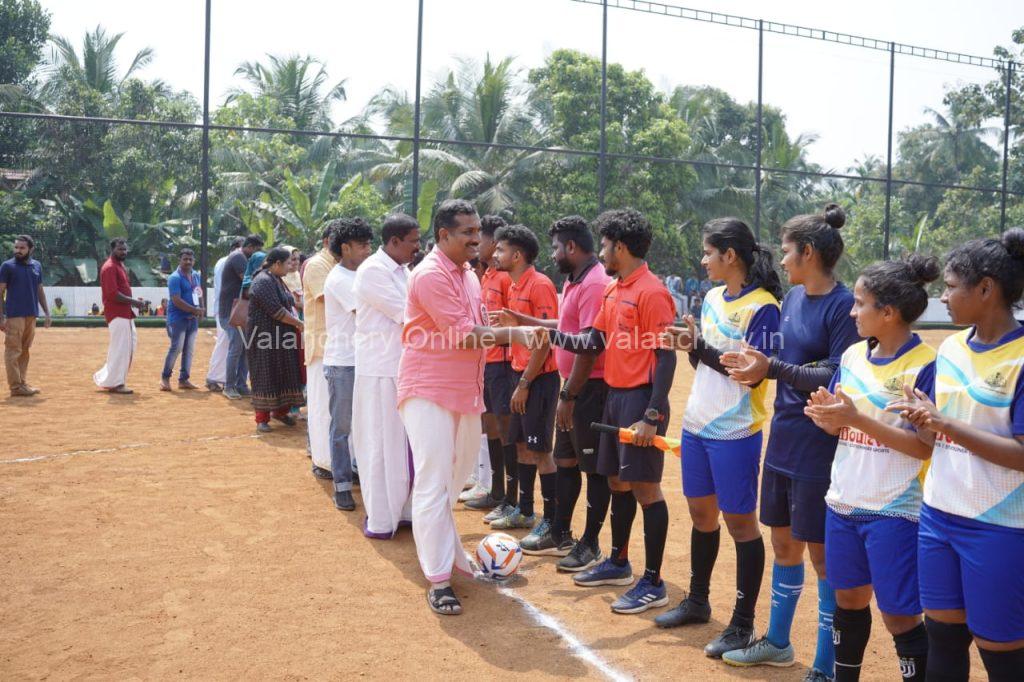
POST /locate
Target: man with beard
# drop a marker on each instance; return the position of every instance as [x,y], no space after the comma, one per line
[639,369]
[117,309]
[381,289]
[580,402]
[21,296]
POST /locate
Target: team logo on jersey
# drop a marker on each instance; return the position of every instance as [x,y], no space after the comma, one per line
[996,380]
[908,667]
[894,385]
[735,318]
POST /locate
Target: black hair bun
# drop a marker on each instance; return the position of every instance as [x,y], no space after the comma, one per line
[925,268]
[1013,241]
[835,216]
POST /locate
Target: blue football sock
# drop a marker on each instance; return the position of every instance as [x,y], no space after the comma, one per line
[825,656]
[787,583]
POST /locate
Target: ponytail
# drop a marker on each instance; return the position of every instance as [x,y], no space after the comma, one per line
[733,233]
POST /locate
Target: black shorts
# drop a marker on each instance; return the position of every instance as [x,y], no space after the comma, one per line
[498,387]
[581,443]
[796,503]
[623,408]
[534,428]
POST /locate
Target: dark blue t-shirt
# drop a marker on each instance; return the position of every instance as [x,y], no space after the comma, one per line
[178,284]
[814,329]
[22,280]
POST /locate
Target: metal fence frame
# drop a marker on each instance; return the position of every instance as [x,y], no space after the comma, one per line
[602,154]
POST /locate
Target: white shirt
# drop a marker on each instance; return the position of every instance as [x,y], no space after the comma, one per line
[340,317]
[381,289]
[217,269]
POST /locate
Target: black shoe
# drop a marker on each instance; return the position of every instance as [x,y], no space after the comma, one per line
[343,500]
[481,503]
[732,638]
[287,420]
[689,611]
[581,557]
[320,472]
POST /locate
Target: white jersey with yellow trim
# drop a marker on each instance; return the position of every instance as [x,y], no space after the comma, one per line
[869,478]
[977,387]
[720,408]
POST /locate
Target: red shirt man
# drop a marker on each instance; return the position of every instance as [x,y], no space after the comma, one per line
[114,280]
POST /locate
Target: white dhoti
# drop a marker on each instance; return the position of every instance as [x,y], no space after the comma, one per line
[444,450]
[318,414]
[123,340]
[218,371]
[385,467]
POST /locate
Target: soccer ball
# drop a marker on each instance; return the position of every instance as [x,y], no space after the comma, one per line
[499,555]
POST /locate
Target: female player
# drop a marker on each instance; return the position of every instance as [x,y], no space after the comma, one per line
[721,450]
[816,330]
[875,496]
[971,540]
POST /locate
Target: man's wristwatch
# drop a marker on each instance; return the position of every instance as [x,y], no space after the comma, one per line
[564,395]
[524,382]
[652,416]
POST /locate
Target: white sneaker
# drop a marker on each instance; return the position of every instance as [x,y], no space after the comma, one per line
[473,493]
[471,482]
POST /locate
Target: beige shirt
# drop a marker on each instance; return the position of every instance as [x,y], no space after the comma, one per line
[313,278]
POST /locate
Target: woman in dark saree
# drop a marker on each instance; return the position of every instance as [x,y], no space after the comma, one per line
[273,337]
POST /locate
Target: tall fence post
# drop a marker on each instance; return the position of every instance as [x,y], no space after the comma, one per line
[416,118]
[888,157]
[204,192]
[1006,146]
[602,159]
[760,128]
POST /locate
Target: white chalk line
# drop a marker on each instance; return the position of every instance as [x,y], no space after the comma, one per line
[129,446]
[576,647]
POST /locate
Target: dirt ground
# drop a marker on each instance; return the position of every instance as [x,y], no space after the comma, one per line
[154,536]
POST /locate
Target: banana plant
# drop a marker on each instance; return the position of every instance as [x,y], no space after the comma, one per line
[302,214]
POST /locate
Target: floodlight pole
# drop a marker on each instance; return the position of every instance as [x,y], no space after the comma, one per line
[888,162]
[1006,145]
[416,118]
[760,131]
[602,159]
[204,191]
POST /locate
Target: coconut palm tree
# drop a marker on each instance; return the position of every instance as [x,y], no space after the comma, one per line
[299,84]
[96,67]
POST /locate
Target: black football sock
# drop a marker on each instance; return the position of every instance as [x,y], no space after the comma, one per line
[511,474]
[598,499]
[851,630]
[497,457]
[568,483]
[623,513]
[527,480]
[1003,666]
[703,555]
[912,649]
[547,492]
[949,651]
[749,572]
[655,535]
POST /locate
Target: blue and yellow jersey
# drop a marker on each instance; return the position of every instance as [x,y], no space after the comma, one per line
[719,408]
[869,478]
[980,385]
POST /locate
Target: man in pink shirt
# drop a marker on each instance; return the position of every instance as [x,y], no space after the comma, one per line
[440,390]
[581,400]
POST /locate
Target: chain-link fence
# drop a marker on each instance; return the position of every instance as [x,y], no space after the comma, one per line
[748,117]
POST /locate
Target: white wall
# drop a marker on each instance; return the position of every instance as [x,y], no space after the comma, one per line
[79,300]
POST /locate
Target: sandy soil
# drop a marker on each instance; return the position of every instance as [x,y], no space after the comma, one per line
[154,535]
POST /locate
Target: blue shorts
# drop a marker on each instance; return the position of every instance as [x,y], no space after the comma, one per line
[975,566]
[793,502]
[726,468]
[880,551]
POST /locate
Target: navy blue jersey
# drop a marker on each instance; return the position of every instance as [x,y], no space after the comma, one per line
[814,329]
